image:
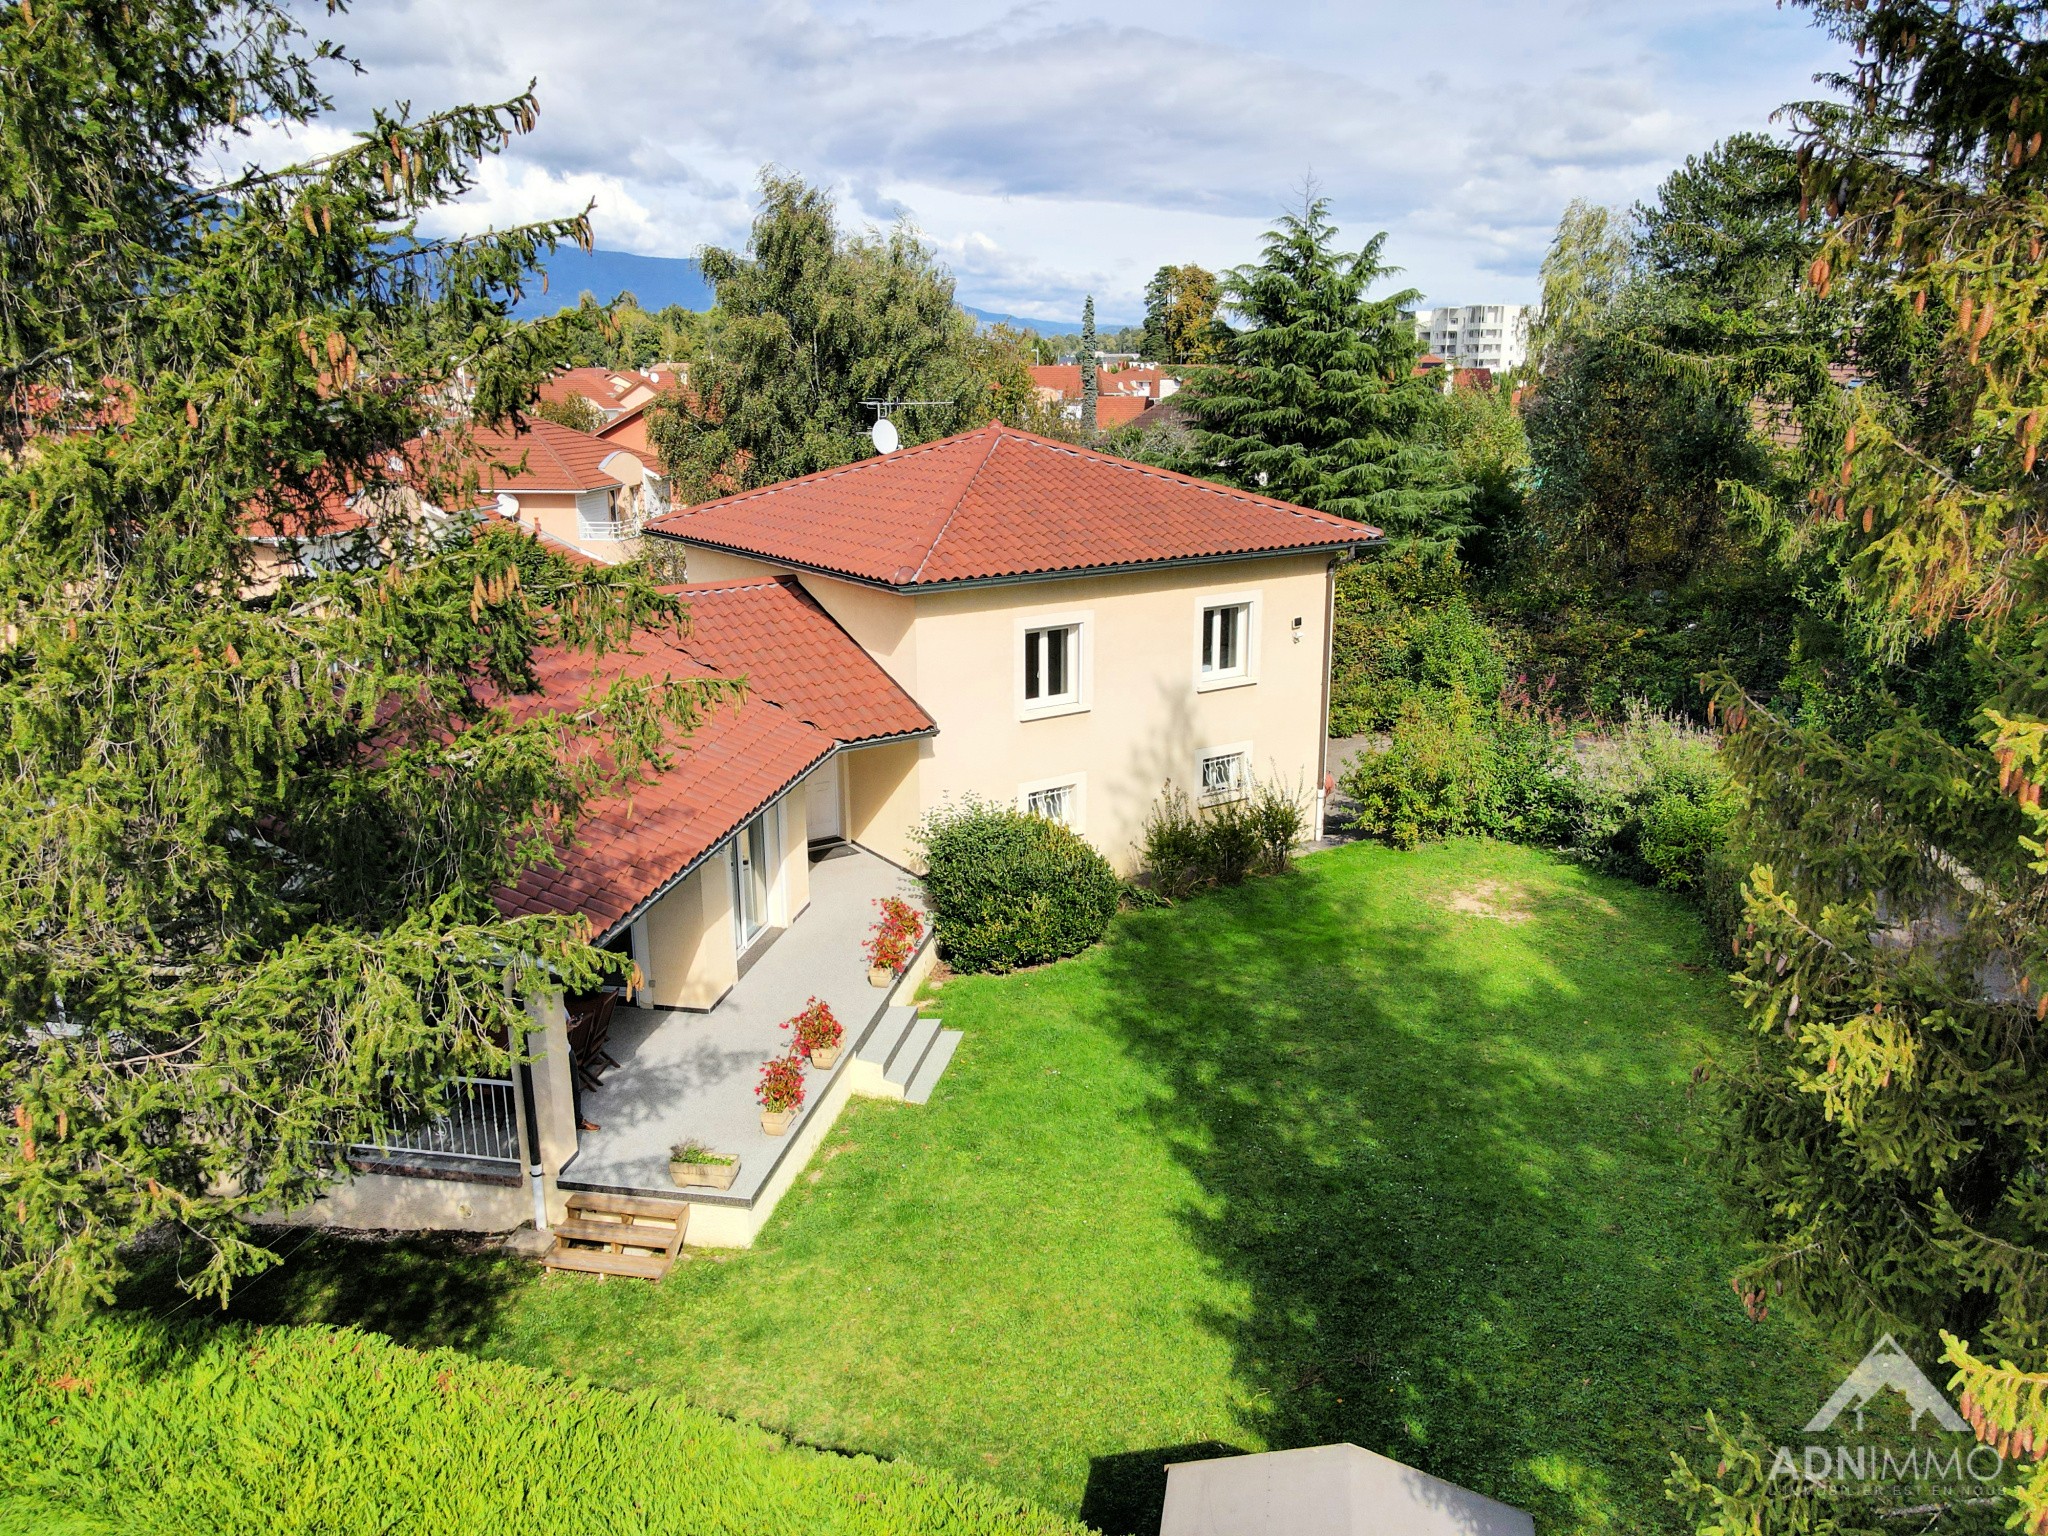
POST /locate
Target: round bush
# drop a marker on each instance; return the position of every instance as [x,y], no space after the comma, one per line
[1007,889]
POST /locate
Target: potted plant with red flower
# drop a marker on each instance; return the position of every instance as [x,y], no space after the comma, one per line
[893,939]
[781,1093]
[818,1034]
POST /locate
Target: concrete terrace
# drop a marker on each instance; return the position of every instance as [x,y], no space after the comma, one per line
[685,1074]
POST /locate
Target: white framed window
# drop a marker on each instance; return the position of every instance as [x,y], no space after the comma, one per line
[1063,799]
[1224,773]
[1226,641]
[1054,667]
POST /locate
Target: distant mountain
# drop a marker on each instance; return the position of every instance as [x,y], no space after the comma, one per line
[659,281]
[656,281]
[1043,327]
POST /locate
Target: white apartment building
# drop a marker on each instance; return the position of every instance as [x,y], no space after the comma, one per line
[1494,336]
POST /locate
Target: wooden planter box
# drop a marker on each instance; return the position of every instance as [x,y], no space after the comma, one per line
[712,1175]
[775,1122]
[823,1056]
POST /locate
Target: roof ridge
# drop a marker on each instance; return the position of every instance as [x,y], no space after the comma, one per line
[736,497]
[995,436]
[1213,487]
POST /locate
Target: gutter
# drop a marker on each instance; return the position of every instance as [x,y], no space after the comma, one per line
[639,909]
[912,589]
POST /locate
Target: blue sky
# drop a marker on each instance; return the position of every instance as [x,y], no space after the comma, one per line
[1050,150]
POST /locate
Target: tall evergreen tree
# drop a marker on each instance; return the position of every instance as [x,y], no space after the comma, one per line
[1316,400]
[1090,385]
[1893,1112]
[249,843]
[1180,315]
[810,323]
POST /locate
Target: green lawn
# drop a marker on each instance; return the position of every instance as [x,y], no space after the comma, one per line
[1400,1149]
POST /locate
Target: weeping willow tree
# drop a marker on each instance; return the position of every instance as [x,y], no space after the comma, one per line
[248,844]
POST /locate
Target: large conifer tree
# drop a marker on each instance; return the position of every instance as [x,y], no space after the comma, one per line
[248,843]
[1316,400]
[1893,1115]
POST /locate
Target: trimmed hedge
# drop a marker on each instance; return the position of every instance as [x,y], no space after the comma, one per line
[1008,889]
[124,1425]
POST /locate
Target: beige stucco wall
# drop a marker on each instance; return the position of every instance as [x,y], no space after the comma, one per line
[1145,721]
[690,939]
[882,803]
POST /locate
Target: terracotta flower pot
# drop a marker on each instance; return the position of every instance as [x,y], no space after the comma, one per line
[713,1175]
[822,1056]
[775,1122]
[880,975]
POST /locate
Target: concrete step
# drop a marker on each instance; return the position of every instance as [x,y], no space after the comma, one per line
[886,1035]
[934,1063]
[910,1051]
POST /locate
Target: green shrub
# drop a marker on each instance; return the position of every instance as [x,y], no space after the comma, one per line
[1649,799]
[1435,777]
[1404,626]
[1008,889]
[1654,801]
[128,1425]
[1184,850]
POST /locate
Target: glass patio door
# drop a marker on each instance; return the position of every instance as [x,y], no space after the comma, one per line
[750,880]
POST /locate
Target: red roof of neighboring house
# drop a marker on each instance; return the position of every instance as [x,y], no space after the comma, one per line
[1000,504]
[546,456]
[1064,377]
[1136,379]
[1119,410]
[809,685]
[606,388]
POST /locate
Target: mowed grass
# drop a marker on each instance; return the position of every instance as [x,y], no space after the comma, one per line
[1403,1149]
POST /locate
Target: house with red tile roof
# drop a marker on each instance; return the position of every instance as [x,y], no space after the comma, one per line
[1123,391]
[994,614]
[614,391]
[1086,631]
[576,488]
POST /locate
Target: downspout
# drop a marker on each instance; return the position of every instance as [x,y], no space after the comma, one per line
[533,1163]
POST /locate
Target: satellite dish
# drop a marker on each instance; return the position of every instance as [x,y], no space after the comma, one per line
[886,440]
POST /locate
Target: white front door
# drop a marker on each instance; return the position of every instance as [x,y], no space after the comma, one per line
[751,873]
[821,803]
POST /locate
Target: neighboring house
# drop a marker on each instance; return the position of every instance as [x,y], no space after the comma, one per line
[1491,336]
[1124,391]
[614,391]
[576,489]
[992,614]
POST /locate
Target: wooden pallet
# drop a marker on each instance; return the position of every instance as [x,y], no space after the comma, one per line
[619,1235]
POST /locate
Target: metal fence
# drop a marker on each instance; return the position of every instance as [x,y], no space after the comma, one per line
[482,1125]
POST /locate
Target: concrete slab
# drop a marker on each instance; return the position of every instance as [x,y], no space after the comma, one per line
[685,1074]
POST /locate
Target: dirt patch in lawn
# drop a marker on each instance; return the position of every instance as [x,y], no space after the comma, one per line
[1510,901]
[1498,899]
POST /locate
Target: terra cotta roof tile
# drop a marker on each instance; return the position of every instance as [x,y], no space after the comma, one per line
[999,503]
[808,687]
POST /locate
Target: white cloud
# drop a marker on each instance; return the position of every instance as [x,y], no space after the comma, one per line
[1049,152]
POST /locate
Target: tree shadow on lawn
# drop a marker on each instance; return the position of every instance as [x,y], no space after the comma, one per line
[420,1289]
[1450,1175]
